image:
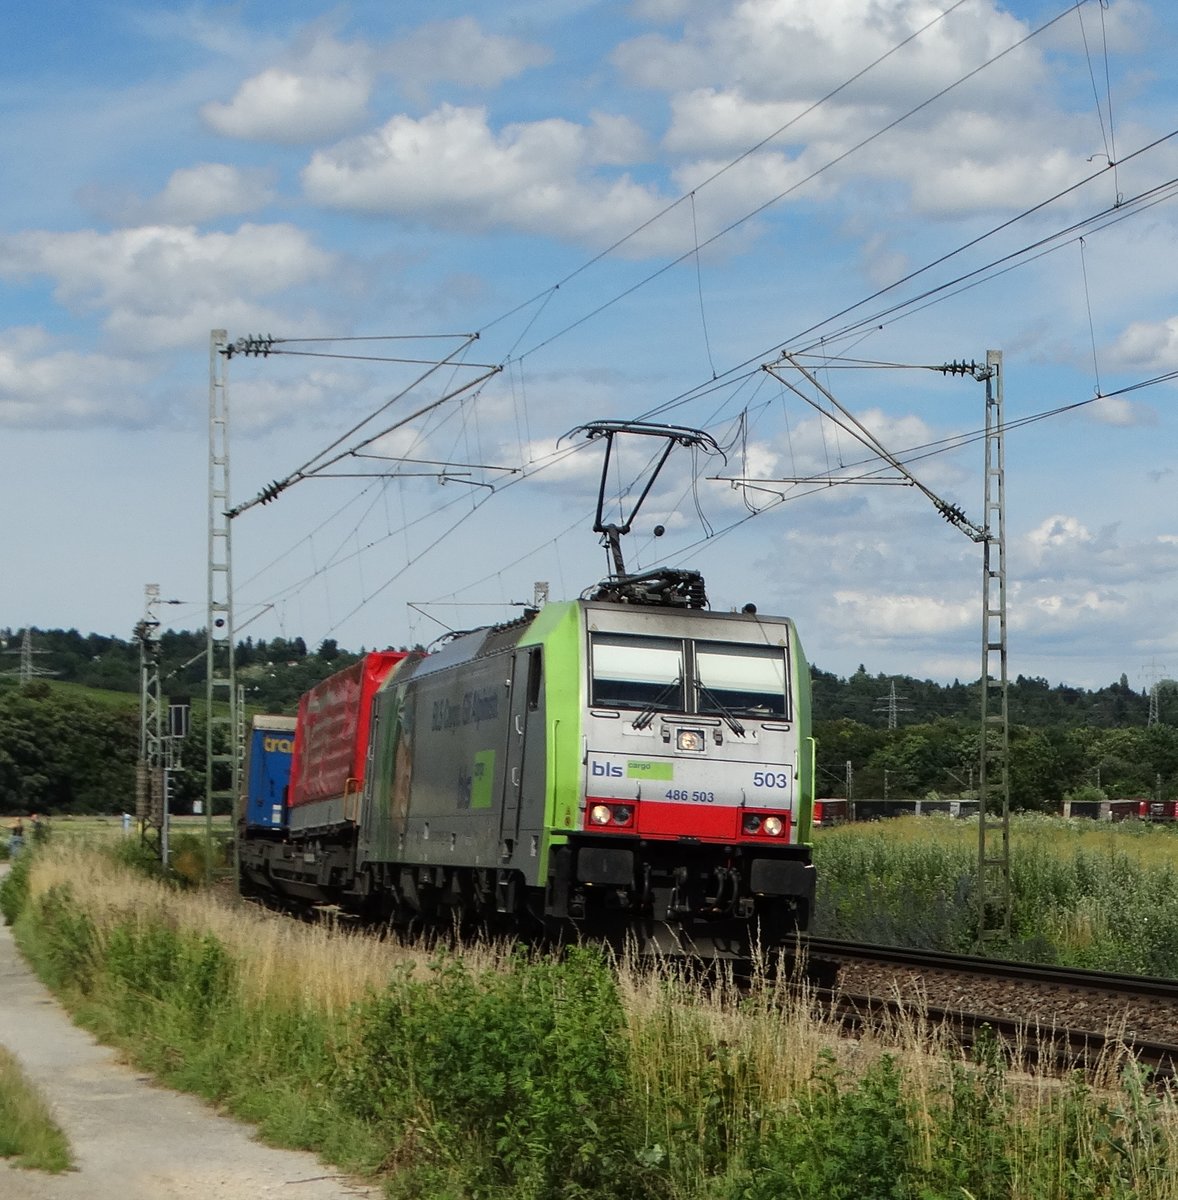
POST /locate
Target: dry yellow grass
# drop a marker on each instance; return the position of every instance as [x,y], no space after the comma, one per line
[321,965]
[281,960]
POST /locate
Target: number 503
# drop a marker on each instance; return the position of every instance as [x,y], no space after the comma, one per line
[771,779]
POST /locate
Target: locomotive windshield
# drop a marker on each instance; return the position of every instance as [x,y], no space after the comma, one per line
[637,672]
[746,680]
[677,675]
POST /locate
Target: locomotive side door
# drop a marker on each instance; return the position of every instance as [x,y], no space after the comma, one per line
[523,780]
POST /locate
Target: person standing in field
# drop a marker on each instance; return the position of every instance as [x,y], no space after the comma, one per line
[16,838]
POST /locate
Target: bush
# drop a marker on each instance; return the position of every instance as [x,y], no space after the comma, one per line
[524,1069]
[61,940]
[836,1142]
[14,889]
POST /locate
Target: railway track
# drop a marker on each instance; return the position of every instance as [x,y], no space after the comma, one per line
[1065,1017]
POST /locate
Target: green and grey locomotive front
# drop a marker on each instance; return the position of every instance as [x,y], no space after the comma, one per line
[633,771]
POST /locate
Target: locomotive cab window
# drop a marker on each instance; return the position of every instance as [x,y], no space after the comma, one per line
[746,681]
[637,672]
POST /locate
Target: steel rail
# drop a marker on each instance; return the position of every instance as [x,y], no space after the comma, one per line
[1073,977]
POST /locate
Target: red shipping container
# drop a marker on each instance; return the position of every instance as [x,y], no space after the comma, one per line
[331,738]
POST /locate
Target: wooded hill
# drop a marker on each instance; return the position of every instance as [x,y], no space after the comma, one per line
[69,740]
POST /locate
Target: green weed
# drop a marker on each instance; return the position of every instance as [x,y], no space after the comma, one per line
[28,1133]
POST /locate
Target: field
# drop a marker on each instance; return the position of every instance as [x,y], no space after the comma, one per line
[1083,893]
[102,827]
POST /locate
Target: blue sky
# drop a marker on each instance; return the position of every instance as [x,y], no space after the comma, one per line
[636,206]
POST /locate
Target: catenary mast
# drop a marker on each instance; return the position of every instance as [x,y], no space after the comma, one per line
[220,686]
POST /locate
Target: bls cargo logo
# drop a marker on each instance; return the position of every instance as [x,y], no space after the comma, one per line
[636,768]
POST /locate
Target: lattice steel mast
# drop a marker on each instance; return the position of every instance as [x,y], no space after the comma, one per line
[220,687]
[994,742]
[149,782]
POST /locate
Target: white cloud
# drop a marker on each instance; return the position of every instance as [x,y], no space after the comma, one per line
[794,49]
[321,94]
[43,386]
[1063,549]
[1056,611]
[1148,345]
[193,195]
[1122,413]
[451,169]
[266,404]
[708,120]
[951,161]
[910,617]
[1057,532]
[165,285]
[818,449]
[458,51]
[613,140]
[741,72]
[209,191]
[324,87]
[1118,25]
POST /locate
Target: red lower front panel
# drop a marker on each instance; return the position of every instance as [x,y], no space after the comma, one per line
[668,819]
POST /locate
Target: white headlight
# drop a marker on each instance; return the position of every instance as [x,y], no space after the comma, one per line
[599,814]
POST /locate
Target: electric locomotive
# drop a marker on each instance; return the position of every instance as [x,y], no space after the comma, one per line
[627,766]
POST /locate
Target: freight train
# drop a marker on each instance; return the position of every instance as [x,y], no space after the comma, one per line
[627,766]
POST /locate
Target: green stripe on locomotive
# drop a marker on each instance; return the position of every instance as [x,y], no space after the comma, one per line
[559,630]
[807,748]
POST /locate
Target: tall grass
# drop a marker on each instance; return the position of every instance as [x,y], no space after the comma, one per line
[491,1073]
[1082,894]
[28,1133]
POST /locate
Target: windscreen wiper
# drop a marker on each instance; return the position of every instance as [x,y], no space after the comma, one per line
[647,714]
[715,701]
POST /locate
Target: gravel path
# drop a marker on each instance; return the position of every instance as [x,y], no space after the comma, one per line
[133,1140]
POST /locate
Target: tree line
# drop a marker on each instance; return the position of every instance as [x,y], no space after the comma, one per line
[274,672]
[68,745]
[1048,764]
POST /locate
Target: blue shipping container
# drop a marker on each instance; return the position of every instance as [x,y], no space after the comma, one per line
[267,771]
